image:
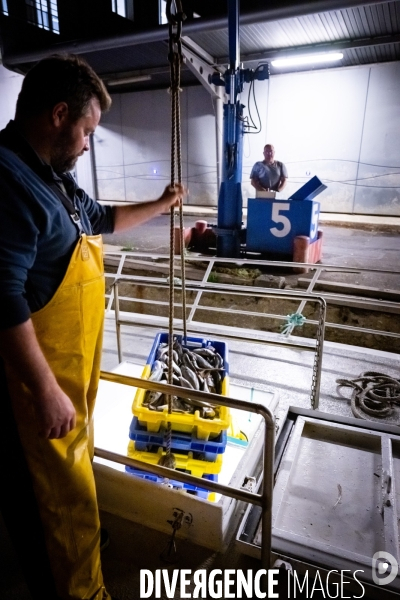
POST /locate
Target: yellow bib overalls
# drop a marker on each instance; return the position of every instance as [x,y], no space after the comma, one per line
[69,330]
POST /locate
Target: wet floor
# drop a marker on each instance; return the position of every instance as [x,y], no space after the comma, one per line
[342,246]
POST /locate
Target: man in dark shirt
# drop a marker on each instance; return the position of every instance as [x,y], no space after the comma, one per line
[52,306]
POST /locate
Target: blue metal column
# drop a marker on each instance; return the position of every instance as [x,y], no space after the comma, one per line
[230,202]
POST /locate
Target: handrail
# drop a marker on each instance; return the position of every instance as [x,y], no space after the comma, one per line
[207,287]
[319,340]
[264,499]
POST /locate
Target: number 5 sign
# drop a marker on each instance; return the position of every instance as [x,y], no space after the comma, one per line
[272,225]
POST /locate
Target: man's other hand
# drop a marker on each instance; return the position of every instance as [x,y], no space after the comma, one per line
[55,413]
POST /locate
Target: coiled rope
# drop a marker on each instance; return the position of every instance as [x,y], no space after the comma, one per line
[292,321]
[374,395]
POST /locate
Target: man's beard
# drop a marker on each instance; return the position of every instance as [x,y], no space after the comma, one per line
[62,159]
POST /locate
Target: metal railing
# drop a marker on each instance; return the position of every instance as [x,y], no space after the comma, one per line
[391,306]
[264,499]
[194,327]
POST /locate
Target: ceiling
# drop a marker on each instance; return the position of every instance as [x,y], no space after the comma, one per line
[120,48]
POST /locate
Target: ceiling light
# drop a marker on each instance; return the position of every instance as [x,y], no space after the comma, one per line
[307,59]
[125,80]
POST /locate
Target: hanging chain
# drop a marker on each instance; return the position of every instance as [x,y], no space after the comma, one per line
[175,59]
[315,383]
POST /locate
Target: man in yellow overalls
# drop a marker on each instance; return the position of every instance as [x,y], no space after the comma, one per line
[52,301]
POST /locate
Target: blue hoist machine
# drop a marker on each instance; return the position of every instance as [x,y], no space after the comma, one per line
[287,220]
[230,203]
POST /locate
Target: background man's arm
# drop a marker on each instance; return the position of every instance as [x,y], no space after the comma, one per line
[283,178]
[281,184]
[256,184]
[20,349]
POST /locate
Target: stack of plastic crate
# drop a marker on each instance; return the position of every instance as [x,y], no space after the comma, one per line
[198,444]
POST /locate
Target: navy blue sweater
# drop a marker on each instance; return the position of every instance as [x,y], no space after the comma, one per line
[37,235]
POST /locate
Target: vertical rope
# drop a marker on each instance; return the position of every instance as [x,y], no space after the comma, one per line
[172,228]
[175,59]
[179,166]
[171,255]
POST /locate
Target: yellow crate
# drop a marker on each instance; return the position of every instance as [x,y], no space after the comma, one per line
[184,462]
[205,428]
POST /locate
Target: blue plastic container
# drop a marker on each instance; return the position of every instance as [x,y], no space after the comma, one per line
[183,442]
[191,489]
[192,342]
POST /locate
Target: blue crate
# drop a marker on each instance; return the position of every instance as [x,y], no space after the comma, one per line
[191,342]
[181,442]
[191,489]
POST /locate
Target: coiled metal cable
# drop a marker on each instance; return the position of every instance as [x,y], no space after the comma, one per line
[374,395]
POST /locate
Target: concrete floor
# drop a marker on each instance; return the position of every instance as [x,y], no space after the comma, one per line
[371,243]
[132,545]
[375,245]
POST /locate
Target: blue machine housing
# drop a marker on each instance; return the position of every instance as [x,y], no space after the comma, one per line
[272,225]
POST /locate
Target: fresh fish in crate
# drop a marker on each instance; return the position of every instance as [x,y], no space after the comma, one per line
[198,369]
[157,371]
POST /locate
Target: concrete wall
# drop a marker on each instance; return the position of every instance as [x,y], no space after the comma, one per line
[10,85]
[340,124]
[133,147]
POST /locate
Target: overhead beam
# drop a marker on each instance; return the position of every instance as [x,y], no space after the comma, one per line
[161,70]
[196,59]
[202,65]
[273,12]
[202,70]
[201,53]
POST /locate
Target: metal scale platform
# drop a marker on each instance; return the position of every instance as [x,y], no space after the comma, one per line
[336,493]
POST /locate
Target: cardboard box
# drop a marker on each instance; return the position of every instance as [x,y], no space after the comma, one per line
[265,194]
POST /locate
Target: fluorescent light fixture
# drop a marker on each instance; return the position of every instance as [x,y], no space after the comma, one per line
[307,59]
[125,80]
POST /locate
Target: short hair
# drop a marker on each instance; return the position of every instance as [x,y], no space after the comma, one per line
[61,78]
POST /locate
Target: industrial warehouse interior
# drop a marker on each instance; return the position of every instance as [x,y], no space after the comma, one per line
[286,301]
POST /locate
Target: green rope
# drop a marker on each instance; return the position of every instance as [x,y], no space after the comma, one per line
[292,321]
